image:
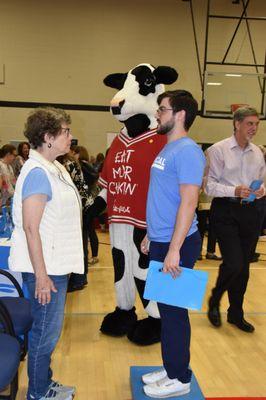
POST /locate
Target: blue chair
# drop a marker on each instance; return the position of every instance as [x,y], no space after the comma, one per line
[17,314]
[9,363]
[6,224]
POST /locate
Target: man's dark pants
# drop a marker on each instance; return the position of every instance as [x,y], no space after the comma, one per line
[175,334]
[236,226]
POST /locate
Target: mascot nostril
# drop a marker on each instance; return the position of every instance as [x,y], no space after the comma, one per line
[116,110]
[121,104]
[125,179]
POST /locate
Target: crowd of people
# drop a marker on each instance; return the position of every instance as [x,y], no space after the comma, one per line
[53,184]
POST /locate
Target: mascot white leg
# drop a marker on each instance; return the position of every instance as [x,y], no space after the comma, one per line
[124,257]
[119,322]
[130,270]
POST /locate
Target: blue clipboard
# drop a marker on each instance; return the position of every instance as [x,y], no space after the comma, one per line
[186,291]
[255,185]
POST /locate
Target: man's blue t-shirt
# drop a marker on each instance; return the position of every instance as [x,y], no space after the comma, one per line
[179,162]
[36,182]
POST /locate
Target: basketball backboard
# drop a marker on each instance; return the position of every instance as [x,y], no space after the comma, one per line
[223,90]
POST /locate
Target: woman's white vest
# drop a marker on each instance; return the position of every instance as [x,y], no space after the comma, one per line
[60,227]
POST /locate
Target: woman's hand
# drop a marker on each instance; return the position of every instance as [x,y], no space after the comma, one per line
[43,287]
[171,263]
[145,244]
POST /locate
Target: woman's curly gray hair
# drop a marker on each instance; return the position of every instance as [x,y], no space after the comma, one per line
[44,120]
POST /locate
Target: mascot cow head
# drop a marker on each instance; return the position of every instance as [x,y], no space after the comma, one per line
[136,102]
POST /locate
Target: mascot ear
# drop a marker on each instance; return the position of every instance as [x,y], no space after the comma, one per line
[165,75]
[115,81]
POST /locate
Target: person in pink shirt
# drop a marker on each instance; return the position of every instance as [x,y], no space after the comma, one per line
[234,163]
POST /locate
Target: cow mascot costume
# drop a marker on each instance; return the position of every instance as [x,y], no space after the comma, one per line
[125,180]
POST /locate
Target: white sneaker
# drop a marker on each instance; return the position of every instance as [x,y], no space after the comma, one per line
[58,387]
[154,376]
[166,387]
[52,394]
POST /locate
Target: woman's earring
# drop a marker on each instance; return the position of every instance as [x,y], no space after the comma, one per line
[49,145]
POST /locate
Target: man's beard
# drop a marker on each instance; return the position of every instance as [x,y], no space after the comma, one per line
[166,128]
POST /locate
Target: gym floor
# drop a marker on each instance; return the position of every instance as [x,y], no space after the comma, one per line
[226,361]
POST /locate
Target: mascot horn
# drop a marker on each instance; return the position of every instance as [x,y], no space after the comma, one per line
[125,179]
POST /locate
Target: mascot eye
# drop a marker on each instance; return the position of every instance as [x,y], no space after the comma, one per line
[148,82]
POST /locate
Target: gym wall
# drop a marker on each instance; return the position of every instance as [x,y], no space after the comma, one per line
[59,52]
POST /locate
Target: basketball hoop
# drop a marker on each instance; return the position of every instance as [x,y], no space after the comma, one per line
[235,106]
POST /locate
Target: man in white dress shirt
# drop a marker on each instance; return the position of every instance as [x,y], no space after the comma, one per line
[233,164]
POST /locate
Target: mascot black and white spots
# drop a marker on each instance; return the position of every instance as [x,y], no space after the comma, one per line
[125,179]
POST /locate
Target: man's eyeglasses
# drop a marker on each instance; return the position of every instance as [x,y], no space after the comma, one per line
[163,109]
[66,130]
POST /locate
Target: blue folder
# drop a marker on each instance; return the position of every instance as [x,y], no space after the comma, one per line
[255,185]
[186,291]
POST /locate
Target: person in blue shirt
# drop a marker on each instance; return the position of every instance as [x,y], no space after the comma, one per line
[172,233]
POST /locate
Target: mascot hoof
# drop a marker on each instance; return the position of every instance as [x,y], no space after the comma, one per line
[119,322]
[146,331]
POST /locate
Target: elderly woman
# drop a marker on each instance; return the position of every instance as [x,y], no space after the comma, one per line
[46,242]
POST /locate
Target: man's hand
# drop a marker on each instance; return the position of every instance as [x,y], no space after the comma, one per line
[171,263]
[242,191]
[260,192]
[43,287]
[145,244]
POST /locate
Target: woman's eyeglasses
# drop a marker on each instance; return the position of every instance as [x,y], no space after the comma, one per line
[66,130]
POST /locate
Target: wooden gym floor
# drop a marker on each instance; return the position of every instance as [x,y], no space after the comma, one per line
[226,361]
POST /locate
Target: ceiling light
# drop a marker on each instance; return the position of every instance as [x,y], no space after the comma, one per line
[214,83]
[235,75]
